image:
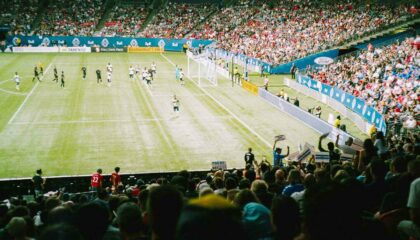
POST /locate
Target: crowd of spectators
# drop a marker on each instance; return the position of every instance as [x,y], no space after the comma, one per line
[294,29]
[71,18]
[124,21]
[175,20]
[18,15]
[387,78]
[375,196]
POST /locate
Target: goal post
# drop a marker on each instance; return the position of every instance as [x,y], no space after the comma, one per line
[201,69]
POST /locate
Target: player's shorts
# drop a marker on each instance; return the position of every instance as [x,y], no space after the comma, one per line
[143,78]
[18,83]
[176,109]
[154,71]
[148,81]
[109,80]
[181,79]
[131,75]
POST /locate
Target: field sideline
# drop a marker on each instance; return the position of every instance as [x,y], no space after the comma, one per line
[75,130]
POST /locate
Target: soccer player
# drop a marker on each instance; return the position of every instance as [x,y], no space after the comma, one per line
[177,72]
[131,72]
[266,80]
[62,79]
[150,73]
[17,81]
[153,67]
[144,74]
[175,103]
[55,75]
[109,67]
[84,72]
[109,79]
[137,70]
[249,158]
[98,76]
[96,180]
[41,68]
[36,74]
[149,79]
[115,179]
[39,183]
[181,76]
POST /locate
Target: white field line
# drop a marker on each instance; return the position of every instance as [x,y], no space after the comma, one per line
[5,81]
[104,64]
[224,107]
[162,130]
[27,96]
[12,92]
[116,120]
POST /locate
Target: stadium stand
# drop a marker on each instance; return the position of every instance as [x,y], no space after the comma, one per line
[310,193]
[71,18]
[125,21]
[290,30]
[386,78]
[175,20]
[19,15]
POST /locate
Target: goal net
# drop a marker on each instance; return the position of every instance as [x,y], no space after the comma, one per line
[202,69]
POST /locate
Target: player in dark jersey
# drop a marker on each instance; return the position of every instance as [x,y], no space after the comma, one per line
[62,79]
[41,69]
[151,72]
[36,74]
[249,157]
[84,73]
[98,76]
[55,75]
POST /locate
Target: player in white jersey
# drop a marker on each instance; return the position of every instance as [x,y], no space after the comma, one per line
[131,72]
[181,76]
[144,74]
[109,68]
[153,67]
[109,79]
[16,78]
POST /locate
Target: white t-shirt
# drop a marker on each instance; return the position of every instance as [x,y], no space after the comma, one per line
[17,79]
[414,196]
[131,71]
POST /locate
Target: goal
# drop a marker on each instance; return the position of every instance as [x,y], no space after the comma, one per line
[202,69]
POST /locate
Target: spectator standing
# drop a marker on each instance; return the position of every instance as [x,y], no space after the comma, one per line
[115,178]
[39,183]
[293,71]
[96,180]
[277,156]
[411,228]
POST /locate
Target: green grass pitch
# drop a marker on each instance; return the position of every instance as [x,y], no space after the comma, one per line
[85,126]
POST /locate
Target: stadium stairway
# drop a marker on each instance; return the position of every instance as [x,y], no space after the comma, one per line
[109,5]
[390,30]
[154,9]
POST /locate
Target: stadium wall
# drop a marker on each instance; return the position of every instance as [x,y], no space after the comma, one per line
[103,42]
[303,62]
[344,103]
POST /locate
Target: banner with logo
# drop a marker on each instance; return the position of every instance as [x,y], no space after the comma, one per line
[357,105]
[323,58]
[103,42]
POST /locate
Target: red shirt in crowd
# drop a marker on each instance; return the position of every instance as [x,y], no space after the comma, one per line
[115,179]
[96,180]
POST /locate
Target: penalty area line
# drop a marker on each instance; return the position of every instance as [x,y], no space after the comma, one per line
[27,96]
[223,106]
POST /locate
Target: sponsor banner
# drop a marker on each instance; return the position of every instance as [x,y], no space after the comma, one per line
[74,49]
[250,87]
[323,60]
[105,42]
[100,49]
[242,60]
[35,49]
[357,105]
[145,49]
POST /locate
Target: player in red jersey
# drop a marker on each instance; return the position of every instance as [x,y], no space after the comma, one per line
[96,180]
[115,179]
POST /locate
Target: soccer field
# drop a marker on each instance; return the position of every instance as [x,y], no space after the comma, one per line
[85,126]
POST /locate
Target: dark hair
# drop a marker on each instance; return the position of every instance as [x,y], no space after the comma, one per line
[230,183]
[92,220]
[117,169]
[164,207]
[286,218]
[244,197]
[39,171]
[129,218]
[244,184]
